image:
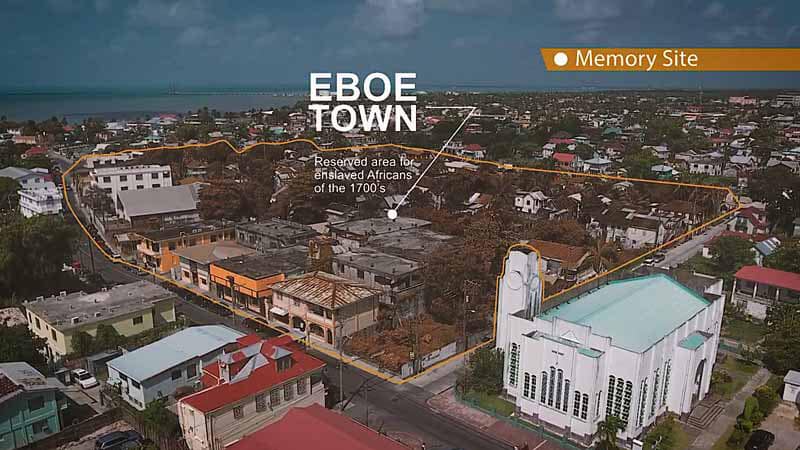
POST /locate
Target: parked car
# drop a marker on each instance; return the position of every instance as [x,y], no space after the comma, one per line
[760,440]
[117,440]
[84,378]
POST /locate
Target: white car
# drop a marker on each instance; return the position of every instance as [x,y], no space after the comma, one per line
[84,378]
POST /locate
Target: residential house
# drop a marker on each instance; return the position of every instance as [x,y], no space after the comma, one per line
[631,229]
[29,410]
[273,233]
[26,178]
[250,386]
[659,151]
[247,281]
[129,308]
[400,278]
[115,179]
[567,161]
[332,431]
[155,249]
[597,165]
[633,348]
[530,202]
[751,220]
[195,261]
[706,166]
[561,261]
[157,370]
[756,289]
[324,306]
[160,207]
[41,200]
[664,172]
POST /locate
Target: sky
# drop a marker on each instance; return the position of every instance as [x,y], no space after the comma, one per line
[114,43]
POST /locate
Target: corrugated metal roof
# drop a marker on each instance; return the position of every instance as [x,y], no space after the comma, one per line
[324,289]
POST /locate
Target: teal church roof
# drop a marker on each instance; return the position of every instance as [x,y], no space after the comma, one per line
[636,313]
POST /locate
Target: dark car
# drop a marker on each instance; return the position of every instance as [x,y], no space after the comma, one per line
[759,440]
[117,440]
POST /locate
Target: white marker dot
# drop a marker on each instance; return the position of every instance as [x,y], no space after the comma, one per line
[391,214]
[561,59]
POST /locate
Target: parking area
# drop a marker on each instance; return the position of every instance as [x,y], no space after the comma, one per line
[781,423]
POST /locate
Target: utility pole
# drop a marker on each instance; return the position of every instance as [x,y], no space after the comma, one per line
[91,253]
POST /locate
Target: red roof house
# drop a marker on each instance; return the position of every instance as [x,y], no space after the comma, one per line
[34,151]
[331,431]
[770,277]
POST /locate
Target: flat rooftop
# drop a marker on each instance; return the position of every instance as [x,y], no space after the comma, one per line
[413,243]
[184,230]
[59,311]
[636,313]
[284,260]
[379,226]
[277,229]
[213,252]
[373,260]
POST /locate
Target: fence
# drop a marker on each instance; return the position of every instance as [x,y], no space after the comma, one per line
[75,432]
[514,421]
[164,440]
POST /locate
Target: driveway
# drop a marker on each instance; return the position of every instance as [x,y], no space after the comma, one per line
[681,253]
[781,424]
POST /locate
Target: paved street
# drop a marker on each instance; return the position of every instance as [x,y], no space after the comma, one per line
[681,253]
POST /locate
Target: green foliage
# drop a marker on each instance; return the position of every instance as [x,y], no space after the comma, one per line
[82,343]
[485,371]
[787,257]
[157,417]
[107,338]
[662,436]
[779,189]
[32,253]
[8,194]
[730,253]
[767,399]
[783,338]
[607,430]
[18,343]
[638,163]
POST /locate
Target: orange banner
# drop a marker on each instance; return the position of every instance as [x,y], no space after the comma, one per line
[671,59]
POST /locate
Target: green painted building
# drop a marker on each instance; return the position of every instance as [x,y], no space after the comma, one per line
[28,406]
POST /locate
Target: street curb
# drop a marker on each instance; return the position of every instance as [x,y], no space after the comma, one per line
[465,425]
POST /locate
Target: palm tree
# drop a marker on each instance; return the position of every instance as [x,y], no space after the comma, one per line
[607,430]
[603,254]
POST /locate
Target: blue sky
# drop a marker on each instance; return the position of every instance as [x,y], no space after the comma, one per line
[108,43]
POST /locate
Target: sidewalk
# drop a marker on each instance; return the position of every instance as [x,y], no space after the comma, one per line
[727,419]
[448,405]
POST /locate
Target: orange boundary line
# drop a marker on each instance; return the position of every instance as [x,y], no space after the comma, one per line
[354,362]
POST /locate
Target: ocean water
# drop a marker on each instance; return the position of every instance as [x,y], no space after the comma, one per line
[130,104]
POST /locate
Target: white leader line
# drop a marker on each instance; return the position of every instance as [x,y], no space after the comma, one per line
[414,186]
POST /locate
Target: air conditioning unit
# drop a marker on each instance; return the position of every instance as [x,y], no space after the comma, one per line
[75,320]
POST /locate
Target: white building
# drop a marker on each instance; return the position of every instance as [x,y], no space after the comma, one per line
[530,202]
[712,167]
[633,348]
[44,199]
[27,178]
[114,180]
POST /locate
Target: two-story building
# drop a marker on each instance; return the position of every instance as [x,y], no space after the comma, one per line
[195,261]
[43,200]
[28,406]
[129,308]
[273,233]
[561,261]
[530,202]
[324,306]
[113,179]
[249,387]
[157,370]
[155,248]
[156,208]
[757,288]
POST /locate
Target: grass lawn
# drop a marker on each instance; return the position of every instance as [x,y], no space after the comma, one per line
[742,330]
[492,403]
[739,371]
[682,439]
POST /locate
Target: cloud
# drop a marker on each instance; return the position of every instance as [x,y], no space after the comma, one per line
[714,9]
[735,33]
[493,7]
[169,13]
[391,18]
[582,10]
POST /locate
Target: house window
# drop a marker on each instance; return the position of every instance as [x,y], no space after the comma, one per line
[139,187]
[552,386]
[123,377]
[238,412]
[135,384]
[40,427]
[533,387]
[154,175]
[288,393]
[667,368]
[626,402]
[38,325]
[123,178]
[642,403]
[610,395]
[618,397]
[139,177]
[36,403]
[191,371]
[543,396]
[513,364]
[566,395]
[301,386]
[576,404]
[360,274]
[585,406]
[176,374]
[274,398]
[526,390]
[138,320]
[53,334]
[106,179]
[261,402]
[656,380]
[156,185]
[559,386]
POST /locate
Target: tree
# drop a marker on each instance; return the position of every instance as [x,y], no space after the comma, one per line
[782,339]
[607,430]
[107,337]
[564,231]
[662,436]
[485,372]
[638,163]
[8,194]
[18,343]
[730,253]
[786,258]
[100,203]
[82,343]
[157,417]
[223,199]
[603,254]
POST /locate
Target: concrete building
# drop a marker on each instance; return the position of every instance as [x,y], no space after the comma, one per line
[791,386]
[356,233]
[27,178]
[155,248]
[114,179]
[29,410]
[530,202]
[325,306]
[400,278]
[156,208]
[633,348]
[249,387]
[129,308]
[273,233]
[40,200]
[756,289]
[158,369]
[195,261]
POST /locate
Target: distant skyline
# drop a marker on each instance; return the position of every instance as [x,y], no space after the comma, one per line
[159,43]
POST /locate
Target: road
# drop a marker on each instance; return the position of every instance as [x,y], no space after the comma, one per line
[681,253]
